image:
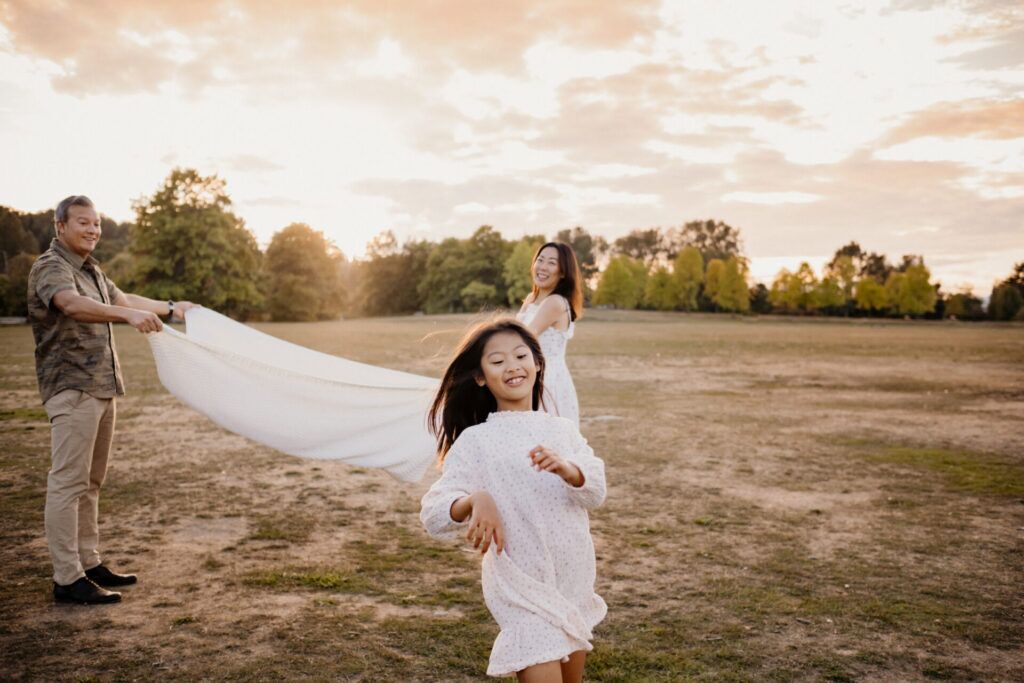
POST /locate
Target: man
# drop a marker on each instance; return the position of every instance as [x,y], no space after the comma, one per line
[72,304]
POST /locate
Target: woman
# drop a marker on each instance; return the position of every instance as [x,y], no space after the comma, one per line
[550,312]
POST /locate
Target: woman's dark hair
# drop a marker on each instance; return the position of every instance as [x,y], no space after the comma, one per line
[570,285]
[460,402]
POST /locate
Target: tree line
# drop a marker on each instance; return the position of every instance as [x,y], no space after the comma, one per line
[187,243]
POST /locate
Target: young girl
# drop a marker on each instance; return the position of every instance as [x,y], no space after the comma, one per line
[517,483]
[550,311]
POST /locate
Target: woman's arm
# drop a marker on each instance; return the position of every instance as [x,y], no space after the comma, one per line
[551,314]
[526,302]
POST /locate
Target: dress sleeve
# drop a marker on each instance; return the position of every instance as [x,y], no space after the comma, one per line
[53,276]
[593,491]
[458,479]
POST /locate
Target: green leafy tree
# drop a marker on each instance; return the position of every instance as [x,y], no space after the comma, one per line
[688,272]
[795,292]
[760,301]
[389,278]
[302,275]
[714,239]
[843,270]
[1016,278]
[661,291]
[121,268]
[39,224]
[478,295]
[643,245]
[517,269]
[964,306]
[115,240]
[622,284]
[829,295]
[732,294]
[640,273]
[14,286]
[444,279]
[589,249]
[870,296]
[455,263]
[1005,302]
[909,292]
[14,238]
[713,280]
[895,289]
[876,266]
[485,253]
[851,251]
[187,244]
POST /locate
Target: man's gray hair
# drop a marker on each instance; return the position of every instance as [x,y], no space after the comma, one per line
[60,214]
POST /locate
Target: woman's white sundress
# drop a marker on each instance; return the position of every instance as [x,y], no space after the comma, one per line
[559,391]
[540,590]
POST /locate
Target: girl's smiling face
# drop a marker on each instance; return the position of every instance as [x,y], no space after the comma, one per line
[546,268]
[508,370]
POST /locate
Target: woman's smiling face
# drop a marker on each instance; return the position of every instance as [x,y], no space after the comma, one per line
[546,269]
[508,370]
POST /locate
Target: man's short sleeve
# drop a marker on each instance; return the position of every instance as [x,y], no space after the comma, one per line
[53,275]
[112,290]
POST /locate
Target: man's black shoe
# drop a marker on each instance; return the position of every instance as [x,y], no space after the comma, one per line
[84,592]
[102,576]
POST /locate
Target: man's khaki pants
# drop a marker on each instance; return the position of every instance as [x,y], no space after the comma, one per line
[81,430]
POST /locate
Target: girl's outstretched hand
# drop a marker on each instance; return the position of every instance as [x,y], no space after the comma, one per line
[546,460]
[485,524]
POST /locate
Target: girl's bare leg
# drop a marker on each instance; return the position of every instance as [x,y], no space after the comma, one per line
[547,672]
[572,671]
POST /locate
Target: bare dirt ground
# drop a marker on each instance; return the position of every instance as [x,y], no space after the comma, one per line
[790,500]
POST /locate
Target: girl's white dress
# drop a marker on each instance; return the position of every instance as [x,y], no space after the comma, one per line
[540,589]
[559,391]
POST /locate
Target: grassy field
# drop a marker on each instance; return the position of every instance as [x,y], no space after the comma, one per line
[789,500]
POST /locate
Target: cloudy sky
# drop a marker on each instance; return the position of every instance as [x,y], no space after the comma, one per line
[899,124]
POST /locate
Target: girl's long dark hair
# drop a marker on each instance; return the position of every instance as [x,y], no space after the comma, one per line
[571,284]
[460,402]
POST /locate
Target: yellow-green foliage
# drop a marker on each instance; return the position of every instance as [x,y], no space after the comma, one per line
[870,295]
[731,293]
[844,271]
[829,293]
[713,277]
[662,290]
[688,272]
[795,292]
[622,283]
[910,292]
[517,269]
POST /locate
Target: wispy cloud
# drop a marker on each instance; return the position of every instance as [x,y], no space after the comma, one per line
[897,124]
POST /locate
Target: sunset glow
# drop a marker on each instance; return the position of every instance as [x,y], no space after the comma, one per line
[897,124]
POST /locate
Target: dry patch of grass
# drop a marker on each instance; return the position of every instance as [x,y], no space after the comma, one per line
[789,500]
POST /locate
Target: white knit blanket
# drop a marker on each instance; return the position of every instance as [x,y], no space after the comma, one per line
[299,401]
